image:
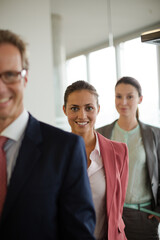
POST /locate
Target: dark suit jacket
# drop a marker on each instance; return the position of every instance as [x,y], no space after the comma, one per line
[151,142]
[49,195]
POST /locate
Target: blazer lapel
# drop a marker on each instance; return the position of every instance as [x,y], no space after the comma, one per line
[106,131]
[108,157]
[148,141]
[151,157]
[28,155]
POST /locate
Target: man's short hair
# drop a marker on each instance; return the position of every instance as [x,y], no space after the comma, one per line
[7,36]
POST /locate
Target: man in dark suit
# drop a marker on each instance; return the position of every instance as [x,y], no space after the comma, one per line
[47,189]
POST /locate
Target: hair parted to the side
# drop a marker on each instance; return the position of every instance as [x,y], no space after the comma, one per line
[132,81]
[77,86]
[6,36]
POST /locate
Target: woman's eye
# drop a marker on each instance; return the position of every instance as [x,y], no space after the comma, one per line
[89,108]
[129,97]
[74,109]
[118,96]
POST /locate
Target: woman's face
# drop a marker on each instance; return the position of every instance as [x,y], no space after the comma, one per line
[81,110]
[127,100]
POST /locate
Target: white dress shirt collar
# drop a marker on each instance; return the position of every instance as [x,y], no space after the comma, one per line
[16,129]
[96,159]
[97,148]
[97,180]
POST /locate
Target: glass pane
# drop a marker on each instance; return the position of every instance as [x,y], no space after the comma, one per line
[76,69]
[139,60]
[103,77]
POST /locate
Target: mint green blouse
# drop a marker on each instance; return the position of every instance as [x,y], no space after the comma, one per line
[138,190]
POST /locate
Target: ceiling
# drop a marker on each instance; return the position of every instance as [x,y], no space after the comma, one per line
[87,25]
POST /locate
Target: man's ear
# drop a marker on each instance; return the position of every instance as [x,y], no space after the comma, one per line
[26,78]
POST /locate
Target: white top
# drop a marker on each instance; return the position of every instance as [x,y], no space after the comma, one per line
[97,180]
[15,133]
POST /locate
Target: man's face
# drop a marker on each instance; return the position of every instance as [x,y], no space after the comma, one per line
[11,95]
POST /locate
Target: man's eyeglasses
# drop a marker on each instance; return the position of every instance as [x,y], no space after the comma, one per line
[9,77]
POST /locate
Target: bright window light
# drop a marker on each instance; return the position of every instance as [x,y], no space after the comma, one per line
[136,59]
[103,77]
[76,69]
[139,60]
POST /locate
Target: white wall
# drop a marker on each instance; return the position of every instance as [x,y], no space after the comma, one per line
[32,20]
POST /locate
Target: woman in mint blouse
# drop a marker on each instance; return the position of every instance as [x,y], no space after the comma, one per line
[142,203]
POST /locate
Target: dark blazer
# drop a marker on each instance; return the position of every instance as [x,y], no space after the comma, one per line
[49,195]
[151,142]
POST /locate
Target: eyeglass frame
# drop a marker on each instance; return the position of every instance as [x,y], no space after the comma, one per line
[20,74]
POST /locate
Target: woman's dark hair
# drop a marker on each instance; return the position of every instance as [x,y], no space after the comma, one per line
[77,86]
[132,81]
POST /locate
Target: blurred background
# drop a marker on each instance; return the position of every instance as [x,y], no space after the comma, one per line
[97,41]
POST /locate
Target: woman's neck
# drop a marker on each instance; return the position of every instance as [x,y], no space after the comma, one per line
[127,124]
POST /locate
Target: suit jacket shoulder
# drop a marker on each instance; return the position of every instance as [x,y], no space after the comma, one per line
[150,132]
[106,130]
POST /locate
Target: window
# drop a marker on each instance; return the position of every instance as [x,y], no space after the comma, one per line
[76,69]
[139,60]
[103,77]
[136,59]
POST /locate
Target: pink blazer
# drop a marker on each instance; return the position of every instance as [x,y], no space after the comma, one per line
[115,160]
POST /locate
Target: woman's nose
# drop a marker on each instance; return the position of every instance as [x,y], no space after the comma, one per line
[81,114]
[124,101]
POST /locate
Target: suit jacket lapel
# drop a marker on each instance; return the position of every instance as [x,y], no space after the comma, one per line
[150,149]
[28,155]
[106,131]
[148,141]
[108,157]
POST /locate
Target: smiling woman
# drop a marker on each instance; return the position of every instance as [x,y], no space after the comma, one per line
[82,110]
[106,159]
